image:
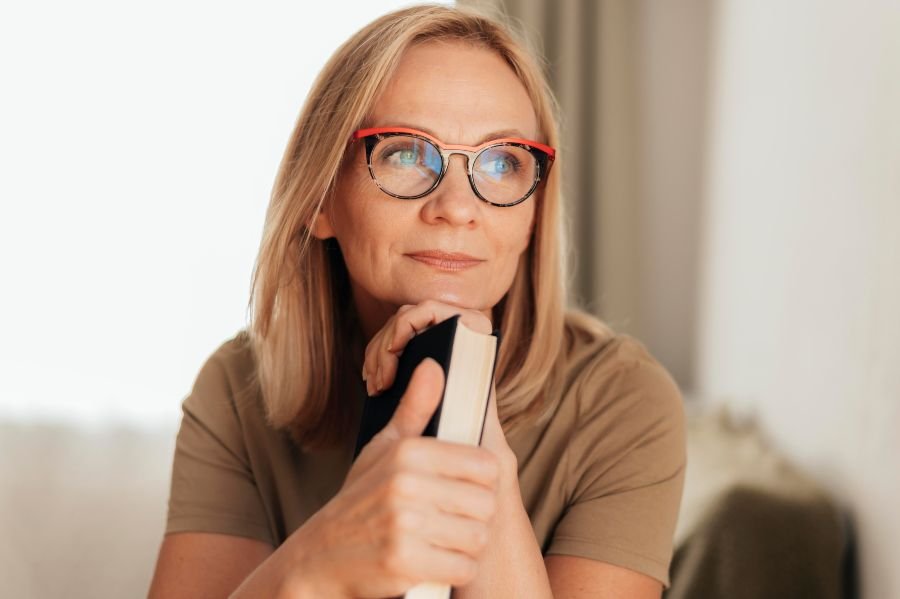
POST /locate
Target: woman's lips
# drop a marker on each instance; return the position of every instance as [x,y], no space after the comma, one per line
[446,260]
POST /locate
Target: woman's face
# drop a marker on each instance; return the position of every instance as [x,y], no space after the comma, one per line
[460,94]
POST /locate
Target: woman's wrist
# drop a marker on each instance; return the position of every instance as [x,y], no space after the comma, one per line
[302,578]
[267,580]
[289,572]
[508,481]
[303,586]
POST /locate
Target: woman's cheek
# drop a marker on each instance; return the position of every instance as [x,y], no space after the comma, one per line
[500,280]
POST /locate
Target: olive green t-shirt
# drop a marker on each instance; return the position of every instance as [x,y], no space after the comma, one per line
[601,473]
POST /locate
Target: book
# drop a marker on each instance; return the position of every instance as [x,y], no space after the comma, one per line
[468,359]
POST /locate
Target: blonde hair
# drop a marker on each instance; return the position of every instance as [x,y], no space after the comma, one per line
[299,336]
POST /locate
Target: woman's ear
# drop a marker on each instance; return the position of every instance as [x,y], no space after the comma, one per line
[321,227]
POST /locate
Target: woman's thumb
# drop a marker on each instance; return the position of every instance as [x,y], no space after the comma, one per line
[423,394]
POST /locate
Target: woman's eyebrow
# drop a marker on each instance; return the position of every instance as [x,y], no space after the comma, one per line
[499,134]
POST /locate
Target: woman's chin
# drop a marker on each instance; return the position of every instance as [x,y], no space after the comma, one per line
[452,295]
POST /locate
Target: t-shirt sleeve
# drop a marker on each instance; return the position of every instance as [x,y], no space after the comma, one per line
[625,467]
[213,487]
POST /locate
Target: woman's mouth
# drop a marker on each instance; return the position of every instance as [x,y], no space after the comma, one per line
[447,261]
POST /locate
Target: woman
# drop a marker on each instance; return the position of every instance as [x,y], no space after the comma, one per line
[418,184]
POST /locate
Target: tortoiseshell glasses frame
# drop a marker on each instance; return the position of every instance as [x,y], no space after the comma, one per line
[542,154]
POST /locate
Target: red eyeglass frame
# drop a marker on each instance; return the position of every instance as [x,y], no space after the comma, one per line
[544,154]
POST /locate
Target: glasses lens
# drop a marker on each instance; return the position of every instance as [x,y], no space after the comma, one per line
[504,174]
[405,166]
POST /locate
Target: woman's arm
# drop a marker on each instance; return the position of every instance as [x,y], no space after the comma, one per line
[411,509]
[512,564]
[195,564]
[211,565]
[577,577]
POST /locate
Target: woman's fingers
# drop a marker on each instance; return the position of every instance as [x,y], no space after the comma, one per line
[462,499]
[409,321]
[392,340]
[428,455]
[440,529]
[424,562]
[384,370]
[382,353]
[457,533]
[415,517]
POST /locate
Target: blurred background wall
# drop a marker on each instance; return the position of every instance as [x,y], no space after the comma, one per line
[800,296]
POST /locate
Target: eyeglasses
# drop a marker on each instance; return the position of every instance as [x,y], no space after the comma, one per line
[409,164]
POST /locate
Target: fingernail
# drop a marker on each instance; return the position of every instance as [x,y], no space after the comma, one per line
[378,382]
[390,346]
[364,373]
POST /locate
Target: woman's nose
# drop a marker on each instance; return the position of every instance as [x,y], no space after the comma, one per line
[454,201]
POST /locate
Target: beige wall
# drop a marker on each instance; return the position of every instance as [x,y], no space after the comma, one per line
[800,300]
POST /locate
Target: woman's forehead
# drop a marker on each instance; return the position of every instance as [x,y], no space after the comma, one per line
[458,92]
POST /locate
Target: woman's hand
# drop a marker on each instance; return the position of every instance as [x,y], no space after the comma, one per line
[385,347]
[412,509]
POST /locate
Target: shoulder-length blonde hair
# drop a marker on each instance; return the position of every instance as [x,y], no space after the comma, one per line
[299,303]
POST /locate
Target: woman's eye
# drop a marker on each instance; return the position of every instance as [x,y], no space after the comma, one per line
[407,156]
[401,156]
[501,165]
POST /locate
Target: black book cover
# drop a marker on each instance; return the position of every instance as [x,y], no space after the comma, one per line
[435,342]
